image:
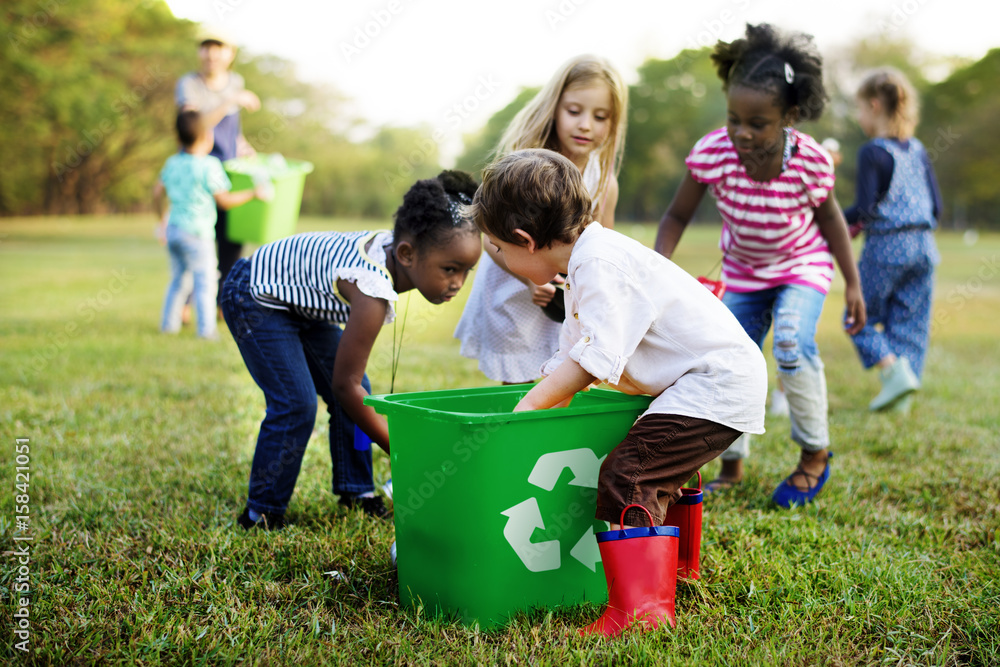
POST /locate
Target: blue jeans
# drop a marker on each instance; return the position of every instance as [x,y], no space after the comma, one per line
[794,311]
[195,255]
[291,360]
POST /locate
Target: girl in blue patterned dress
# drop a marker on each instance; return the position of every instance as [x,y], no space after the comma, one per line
[897,206]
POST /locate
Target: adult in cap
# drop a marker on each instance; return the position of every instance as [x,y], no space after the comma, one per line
[218,94]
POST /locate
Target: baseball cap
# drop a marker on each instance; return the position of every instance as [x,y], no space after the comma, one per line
[211,33]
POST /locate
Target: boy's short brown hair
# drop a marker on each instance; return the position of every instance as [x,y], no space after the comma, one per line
[190,126]
[536,190]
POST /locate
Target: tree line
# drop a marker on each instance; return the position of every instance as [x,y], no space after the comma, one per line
[87,119]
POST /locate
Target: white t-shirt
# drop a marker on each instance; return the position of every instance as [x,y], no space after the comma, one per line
[637,320]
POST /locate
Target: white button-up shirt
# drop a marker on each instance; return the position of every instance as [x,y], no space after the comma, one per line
[639,322]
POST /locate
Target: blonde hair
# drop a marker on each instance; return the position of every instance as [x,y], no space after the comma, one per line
[898,97]
[535,127]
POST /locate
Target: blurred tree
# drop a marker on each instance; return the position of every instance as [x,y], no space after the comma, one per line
[80,78]
[672,105]
[957,129]
[86,119]
[480,146]
[844,70]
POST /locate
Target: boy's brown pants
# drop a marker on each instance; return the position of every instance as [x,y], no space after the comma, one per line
[648,467]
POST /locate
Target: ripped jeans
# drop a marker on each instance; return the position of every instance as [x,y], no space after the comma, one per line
[794,311]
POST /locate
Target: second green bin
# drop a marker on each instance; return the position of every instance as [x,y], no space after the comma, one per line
[259,221]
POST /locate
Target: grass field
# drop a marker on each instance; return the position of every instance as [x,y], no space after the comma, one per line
[140,447]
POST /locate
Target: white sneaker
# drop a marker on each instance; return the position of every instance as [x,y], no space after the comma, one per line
[387,489]
[779,404]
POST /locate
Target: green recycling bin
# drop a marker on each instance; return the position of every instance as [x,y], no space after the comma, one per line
[494,511]
[259,221]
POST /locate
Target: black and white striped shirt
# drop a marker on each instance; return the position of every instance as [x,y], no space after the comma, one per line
[300,273]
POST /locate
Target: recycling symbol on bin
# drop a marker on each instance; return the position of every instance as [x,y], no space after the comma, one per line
[526,516]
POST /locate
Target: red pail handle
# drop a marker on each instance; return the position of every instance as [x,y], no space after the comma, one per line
[621,521]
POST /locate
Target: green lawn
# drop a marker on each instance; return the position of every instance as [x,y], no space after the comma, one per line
[140,447]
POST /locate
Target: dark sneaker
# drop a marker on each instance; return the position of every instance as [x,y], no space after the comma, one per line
[267,521]
[373,506]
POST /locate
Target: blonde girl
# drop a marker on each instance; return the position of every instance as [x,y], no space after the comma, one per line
[897,206]
[581,114]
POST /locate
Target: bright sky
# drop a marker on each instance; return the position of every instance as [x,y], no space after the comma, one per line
[450,64]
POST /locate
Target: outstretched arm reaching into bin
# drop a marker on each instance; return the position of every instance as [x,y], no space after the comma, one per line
[556,390]
[355,347]
[226,199]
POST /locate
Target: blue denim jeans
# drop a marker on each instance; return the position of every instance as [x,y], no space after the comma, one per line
[195,255]
[794,311]
[291,360]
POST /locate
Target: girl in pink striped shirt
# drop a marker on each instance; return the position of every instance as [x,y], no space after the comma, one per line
[781,230]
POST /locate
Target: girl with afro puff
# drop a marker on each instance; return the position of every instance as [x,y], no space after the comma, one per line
[305,312]
[781,231]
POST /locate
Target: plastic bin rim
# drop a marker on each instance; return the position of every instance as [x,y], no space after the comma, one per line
[393,403]
[293,165]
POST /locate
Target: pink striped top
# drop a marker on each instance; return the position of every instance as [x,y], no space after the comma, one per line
[769,235]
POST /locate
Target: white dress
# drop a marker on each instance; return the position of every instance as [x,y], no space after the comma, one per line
[500,326]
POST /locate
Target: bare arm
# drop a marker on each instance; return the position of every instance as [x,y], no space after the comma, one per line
[556,390]
[363,326]
[678,215]
[833,226]
[159,205]
[606,211]
[227,199]
[243,98]
[159,200]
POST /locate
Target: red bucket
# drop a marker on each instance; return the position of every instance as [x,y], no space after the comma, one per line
[716,287]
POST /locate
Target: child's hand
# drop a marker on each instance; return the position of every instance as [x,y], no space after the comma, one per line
[264,191]
[541,295]
[161,231]
[855,316]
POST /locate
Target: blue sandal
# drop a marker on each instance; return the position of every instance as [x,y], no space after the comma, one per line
[788,495]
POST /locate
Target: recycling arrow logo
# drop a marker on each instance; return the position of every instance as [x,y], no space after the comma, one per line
[524,517]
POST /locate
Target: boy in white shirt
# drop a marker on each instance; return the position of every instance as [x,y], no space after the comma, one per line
[634,320]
